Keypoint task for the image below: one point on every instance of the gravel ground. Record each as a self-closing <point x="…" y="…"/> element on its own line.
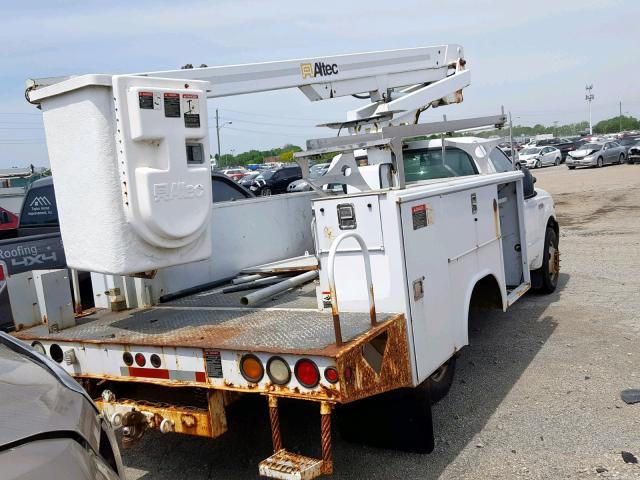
<point x="536" y="394"/>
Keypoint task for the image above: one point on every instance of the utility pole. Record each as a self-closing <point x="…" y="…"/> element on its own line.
<point x="589" y="98"/>
<point x="513" y="150"/>
<point x="218" y="135"/>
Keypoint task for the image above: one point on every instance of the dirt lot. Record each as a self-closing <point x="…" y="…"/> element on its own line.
<point x="536" y="394"/>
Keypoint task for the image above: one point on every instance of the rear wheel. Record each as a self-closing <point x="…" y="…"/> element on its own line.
<point x="621" y="159"/>
<point x="550" y="270"/>
<point x="557" y="162"/>
<point x="440" y="381"/>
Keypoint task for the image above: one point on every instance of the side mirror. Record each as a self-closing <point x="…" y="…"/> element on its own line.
<point x="527" y="184"/>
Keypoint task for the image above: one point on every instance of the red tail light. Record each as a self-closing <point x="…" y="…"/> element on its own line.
<point x="331" y="374"/>
<point x="140" y="360"/>
<point x="307" y="373"/>
<point x="1" y="273"/>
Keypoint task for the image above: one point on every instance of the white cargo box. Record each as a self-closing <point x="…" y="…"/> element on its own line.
<point x="130" y="163"/>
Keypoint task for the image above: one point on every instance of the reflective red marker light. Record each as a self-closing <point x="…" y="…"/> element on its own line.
<point x="307" y="373"/>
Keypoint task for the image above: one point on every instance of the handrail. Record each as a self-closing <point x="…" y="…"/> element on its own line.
<point x="332" y="282"/>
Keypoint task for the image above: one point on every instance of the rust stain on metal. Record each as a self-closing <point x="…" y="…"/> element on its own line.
<point x="364" y="381"/>
<point x="195" y="421"/>
<point x="496" y="217"/>
<point x="325" y="438"/>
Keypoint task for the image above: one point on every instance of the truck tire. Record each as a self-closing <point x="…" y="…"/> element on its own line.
<point x="549" y="272"/>
<point x="439" y="383"/>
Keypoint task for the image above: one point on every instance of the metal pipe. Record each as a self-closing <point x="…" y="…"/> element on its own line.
<point x="268" y="292"/>
<point x="332" y="281"/>
<point x="245" y="279"/>
<point x="75" y="284"/>
<point x="191" y="290"/>
<point x="261" y="282"/>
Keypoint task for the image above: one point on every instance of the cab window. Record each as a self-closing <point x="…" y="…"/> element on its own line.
<point x="428" y="164"/>
<point x="500" y="161"/>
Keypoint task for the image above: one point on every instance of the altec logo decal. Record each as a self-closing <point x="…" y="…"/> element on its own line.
<point x="176" y="191"/>
<point x="40" y="202"/>
<point x="318" y="69"/>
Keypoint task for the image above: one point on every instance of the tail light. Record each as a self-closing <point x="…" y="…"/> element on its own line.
<point x="278" y="371"/>
<point x="331" y="374"/>
<point x="251" y="368"/>
<point x="155" y="361"/>
<point x="307" y="373"/>
<point x="127" y="358"/>
<point x="140" y="360"/>
<point x="1" y="273"/>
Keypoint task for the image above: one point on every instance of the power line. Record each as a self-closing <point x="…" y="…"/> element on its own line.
<point x="253" y="114"/>
<point x="269" y="123"/>
<point x="259" y="132"/>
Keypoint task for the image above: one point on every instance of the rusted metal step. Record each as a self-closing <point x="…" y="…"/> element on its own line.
<point x="287" y="466"/>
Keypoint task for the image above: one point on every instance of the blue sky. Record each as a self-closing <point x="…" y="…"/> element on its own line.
<point x="532" y="57"/>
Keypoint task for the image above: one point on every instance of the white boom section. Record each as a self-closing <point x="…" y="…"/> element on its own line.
<point x="397" y="82"/>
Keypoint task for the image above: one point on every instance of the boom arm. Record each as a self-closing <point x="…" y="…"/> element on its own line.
<point x="399" y="83"/>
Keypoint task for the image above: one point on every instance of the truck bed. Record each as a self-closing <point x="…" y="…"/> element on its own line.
<point x="288" y="323"/>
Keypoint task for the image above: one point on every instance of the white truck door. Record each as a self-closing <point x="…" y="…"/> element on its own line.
<point x="427" y="269"/>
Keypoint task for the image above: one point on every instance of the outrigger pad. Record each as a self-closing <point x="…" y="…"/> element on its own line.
<point x="397" y="420"/>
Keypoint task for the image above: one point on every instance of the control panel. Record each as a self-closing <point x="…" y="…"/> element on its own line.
<point x="163" y="157"/>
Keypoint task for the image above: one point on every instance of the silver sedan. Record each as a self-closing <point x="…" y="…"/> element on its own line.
<point x="596" y="155"/>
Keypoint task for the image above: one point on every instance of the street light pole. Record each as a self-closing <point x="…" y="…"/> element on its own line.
<point x="589" y="98"/>
<point x="620" y="103"/>
<point x="218" y="127"/>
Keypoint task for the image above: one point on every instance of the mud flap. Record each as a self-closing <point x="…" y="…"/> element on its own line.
<point x="397" y="420"/>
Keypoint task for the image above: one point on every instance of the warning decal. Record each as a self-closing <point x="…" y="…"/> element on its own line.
<point x="419" y="216"/>
<point x="172" y="105"/>
<point x="191" y="109"/>
<point x="214" y="363"/>
<point x="145" y="100"/>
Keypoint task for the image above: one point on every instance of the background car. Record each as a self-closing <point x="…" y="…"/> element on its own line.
<point x="627" y="143"/>
<point x="536" y="157"/>
<point x="248" y="179"/>
<point x="596" y="155"/>
<point x="50" y="426"/>
<point x="315" y="171"/>
<point x="633" y="155"/>
<point x="235" y="173"/>
<point x="275" y="181"/>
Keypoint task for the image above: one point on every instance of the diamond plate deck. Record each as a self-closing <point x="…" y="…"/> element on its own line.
<point x="203" y="321"/>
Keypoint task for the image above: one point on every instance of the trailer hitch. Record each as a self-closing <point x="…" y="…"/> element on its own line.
<point x="134" y="424"/>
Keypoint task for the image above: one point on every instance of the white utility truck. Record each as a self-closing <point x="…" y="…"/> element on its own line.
<point x="379" y="308"/>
